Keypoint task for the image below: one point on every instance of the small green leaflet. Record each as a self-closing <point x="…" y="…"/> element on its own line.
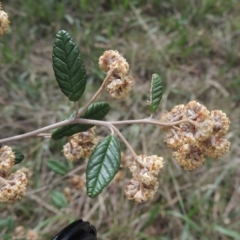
<point x="58" y="199"/>
<point x="57" y="166"/>
<point x="18" y="156"/>
<point x="68" y="66"/>
<point x="7" y="223"/>
<point x="96" y="111"/>
<point x="103" y="165"/>
<point x="155" y="92"/>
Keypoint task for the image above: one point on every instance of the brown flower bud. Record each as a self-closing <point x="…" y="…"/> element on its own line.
<point x="19" y="232"/>
<point x="80" y="145"/>
<point x="216" y="147"/>
<point x="78" y="182"/>
<point x="119" y="84"/>
<point x="113" y="60"/>
<point x="221" y="123"/>
<point x="119" y="89"/>
<point x="139" y="192"/>
<point x="32" y="235"/>
<point x="190" y="157"/>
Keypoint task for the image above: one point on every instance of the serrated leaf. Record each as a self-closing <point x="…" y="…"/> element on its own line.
<point x="68" y="66"/>
<point x="103" y="165"/>
<point x="58" y="199"/>
<point x="96" y="111"/>
<point x="18" y="156"/>
<point x="57" y="166"/>
<point x="155" y="92"/>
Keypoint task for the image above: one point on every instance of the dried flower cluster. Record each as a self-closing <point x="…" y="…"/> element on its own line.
<point x="119" y="82"/>
<point x="76" y="188"/>
<point x="12" y="186"/>
<point x="21" y="233"/>
<point x="4" y="22"/>
<point x="80" y="145"/>
<point x="78" y="182"/>
<point x="199" y="134"/>
<point x="7" y="158"/>
<point x="144" y="184"/>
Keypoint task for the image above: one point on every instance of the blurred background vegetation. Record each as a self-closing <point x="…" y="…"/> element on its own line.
<point x="195" y="47"/>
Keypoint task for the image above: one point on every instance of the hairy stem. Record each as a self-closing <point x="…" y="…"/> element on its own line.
<point x="89" y="121"/>
<point x="76" y="109"/>
<point x="125" y="141"/>
<point x="3" y="181"/>
<point x="95" y="95"/>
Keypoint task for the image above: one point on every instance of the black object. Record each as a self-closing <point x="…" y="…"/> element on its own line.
<point x="78" y="230"/>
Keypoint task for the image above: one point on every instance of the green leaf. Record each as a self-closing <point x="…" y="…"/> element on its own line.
<point x="7" y="223"/>
<point x="18" y="155"/>
<point x="68" y="66"/>
<point x="155" y="92"/>
<point x="58" y="199"/>
<point x="96" y="111"/>
<point x="6" y="237"/>
<point x="103" y="165"/>
<point x="227" y="232"/>
<point x="57" y="166"/>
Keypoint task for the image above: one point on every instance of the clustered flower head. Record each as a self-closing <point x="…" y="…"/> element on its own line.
<point x="12" y="186"/>
<point x="197" y="134"/>
<point x="80" y="145"/>
<point x="7" y="159"/>
<point x="144" y="184"/>
<point x="4" y="22"/>
<point x="119" y="83"/>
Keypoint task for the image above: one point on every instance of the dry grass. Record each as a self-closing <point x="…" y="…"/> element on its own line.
<point x="193" y="45"/>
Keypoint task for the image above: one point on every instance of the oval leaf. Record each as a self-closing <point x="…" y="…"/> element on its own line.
<point x="57" y="167"/>
<point x="155" y="92"/>
<point x="96" y="111"/>
<point x="7" y="223"/>
<point x="58" y="199"/>
<point x="102" y="165"/>
<point x="68" y="66"/>
<point x="18" y="156"/>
